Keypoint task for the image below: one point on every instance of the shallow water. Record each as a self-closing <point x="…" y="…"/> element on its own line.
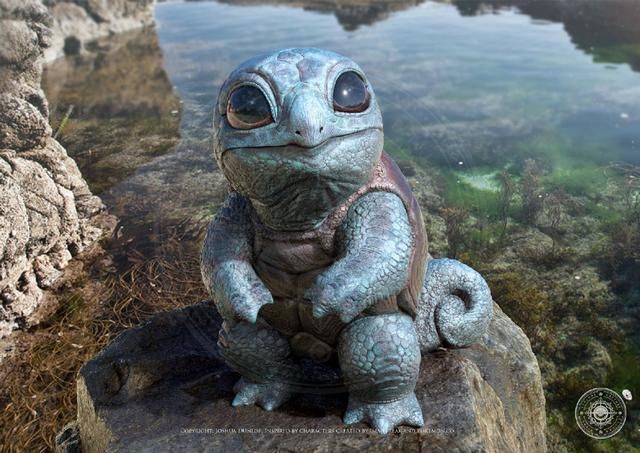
<point x="466" y="88"/>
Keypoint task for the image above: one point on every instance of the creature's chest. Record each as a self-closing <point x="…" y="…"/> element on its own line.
<point x="289" y="263"/>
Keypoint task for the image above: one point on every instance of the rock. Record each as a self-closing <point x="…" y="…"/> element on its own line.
<point x="47" y="212"/>
<point x="78" y="22"/>
<point x="161" y="385"/>
<point x="22" y="126"/>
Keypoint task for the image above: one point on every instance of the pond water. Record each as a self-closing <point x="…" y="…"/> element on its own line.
<point x="469" y="90"/>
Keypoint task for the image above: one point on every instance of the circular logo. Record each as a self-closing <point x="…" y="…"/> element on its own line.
<point x="601" y="413"/>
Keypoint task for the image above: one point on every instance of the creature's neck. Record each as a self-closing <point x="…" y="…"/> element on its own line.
<point x="304" y="215"/>
<point x="308" y="204"/>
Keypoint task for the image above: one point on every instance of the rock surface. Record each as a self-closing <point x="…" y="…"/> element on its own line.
<point x="47" y="212"/>
<point x="161" y="385"/>
<point x="78" y="22"/>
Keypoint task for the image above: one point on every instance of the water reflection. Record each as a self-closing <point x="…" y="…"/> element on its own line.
<point x="351" y="14"/>
<point x="120" y="107"/>
<point x="608" y="30"/>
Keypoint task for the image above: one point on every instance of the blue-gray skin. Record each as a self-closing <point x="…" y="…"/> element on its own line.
<point x="292" y="173"/>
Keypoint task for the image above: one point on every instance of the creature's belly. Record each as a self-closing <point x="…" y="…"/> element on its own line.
<point x="288" y="268"/>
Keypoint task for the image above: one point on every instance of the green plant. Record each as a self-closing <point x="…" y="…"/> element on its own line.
<point x="454" y="219"/>
<point x="505" y="197"/>
<point x="530" y="192"/>
<point x="527" y="305"/>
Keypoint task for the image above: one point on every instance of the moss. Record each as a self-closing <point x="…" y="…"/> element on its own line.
<point x="396" y="150"/>
<point x="605" y="214"/>
<point x="70" y="306"/>
<point x="527" y="306"/>
<point x="400" y="152"/>
<point x="585" y="180"/>
<point x="626" y="370"/>
<point x="571" y="165"/>
<point x="481" y="203"/>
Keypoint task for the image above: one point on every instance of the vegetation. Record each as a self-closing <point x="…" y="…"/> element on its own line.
<point x="505" y="198"/>
<point x="530" y="192"/>
<point x="454" y="219"/>
<point x="38" y="395"/>
<point x="556" y="289"/>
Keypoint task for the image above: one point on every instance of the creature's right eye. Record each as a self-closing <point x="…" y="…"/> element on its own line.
<point x="248" y="108"/>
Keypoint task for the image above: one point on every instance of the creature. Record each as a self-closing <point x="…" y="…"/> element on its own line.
<point x="319" y="251"/>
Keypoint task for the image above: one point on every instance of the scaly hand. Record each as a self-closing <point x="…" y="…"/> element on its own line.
<point x="239" y="293"/>
<point x="340" y="295"/>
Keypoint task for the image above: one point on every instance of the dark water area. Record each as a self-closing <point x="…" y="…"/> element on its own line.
<point x="518" y="121"/>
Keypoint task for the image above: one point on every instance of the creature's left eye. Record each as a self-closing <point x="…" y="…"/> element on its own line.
<point x="248" y="108"/>
<point x="350" y="93"/>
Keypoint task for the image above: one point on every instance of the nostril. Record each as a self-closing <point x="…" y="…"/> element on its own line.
<point x="321" y="128"/>
<point x="298" y="133"/>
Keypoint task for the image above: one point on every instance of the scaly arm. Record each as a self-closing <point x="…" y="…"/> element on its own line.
<point x="226" y="266"/>
<point x="375" y="263"/>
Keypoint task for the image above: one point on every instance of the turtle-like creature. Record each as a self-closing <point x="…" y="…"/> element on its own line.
<point x="319" y="252"/>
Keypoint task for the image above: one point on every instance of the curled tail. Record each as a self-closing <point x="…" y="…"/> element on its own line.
<point x="455" y="306"/>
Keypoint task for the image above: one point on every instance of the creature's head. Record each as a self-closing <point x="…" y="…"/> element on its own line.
<point x="297" y="132"/>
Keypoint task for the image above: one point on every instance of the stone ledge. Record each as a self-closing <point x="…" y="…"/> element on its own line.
<point x="164" y="377"/>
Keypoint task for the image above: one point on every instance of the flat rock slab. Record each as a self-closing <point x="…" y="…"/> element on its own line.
<point x="162" y="386"/>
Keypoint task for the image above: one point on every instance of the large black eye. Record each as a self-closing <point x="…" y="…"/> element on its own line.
<point x="350" y="93"/>
<point x="248" y="108"/>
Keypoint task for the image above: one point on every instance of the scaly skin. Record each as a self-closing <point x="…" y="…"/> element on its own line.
<point x="226" y="264"/>
<point x="445" y="319"/>
<point x="263" y="357"/>
<point x="380" y="360"/>
<point x="289" y="174"/>
<point x="376" y="238"/>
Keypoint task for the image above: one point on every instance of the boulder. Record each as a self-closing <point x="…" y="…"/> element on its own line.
<point x="47" y="212"/>
<point x="162" y="386"/>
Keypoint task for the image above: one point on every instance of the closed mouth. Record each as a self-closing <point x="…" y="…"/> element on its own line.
<point x="302" y="147"/>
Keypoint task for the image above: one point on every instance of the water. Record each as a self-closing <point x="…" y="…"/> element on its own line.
<point x="467" y="90"/>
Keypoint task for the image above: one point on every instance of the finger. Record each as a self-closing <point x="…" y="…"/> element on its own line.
<point x="319" y="312"/>
<point x="347" y="316"/>
<point x="249" y="312"/>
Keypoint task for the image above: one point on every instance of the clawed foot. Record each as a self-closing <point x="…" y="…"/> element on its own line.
<point x="269" y="396"/>
<point x="385" y="416"/>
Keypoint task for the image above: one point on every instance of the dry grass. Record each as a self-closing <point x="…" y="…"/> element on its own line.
<point x="38" y="393"/>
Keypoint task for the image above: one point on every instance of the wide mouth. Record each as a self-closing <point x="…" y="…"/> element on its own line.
<point x="294" y="147"/>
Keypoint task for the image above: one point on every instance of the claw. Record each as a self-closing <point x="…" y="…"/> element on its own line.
<point x="268" y="406"/>
<point x="384" y="417"/>
<point x="319" y="312"/>
<point x="269" y="396"/>
<point x="382" y="425"/>
<point x="240" y="400"/>
<point x="353" y="415"/>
